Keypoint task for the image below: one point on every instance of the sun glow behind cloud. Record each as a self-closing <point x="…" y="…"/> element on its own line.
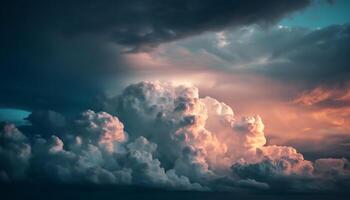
<point x="286" y="108"/>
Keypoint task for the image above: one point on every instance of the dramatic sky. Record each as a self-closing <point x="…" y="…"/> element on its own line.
<point x="247" y="97"/>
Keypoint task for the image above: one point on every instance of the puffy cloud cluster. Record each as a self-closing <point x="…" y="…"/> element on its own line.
<point x="14" y="152"/>
<point x="93" y="150"/>
<point x="207" y="141"/>
<point x="161" y="135"/>
<point x="272" y="161"/>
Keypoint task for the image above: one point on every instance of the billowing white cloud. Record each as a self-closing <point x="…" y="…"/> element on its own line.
<point x="96" y="150"/>
<point x="14" y="152"/>
<point x="175" y="140"/>
<point x="274" y="161"/>
<point x="100" y="129"/>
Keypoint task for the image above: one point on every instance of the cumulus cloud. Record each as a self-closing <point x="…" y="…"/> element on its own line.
<point x="274" y="161"/>
<point x="205" y="135"/>
<point x="96" y="151"/>
<point x="14" y="152"/>
<point x="161" y="135"/>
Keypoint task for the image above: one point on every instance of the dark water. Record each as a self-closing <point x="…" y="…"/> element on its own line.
<point x="64" y="192"/>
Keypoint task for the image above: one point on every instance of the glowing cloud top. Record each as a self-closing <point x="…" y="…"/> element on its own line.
<point x="163" y="135"/>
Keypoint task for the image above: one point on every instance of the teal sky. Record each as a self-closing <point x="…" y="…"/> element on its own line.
<point x="15" y="116"/>
<point x="320" y="14"/>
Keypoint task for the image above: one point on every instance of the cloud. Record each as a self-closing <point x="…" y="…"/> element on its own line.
<point x="264" y="77"/>
<point x="165" y="136"/>
<point x="328" y="104"/>
<point x="251" y="183"/>
<point x="274" y="161"/>
<point x="337" y="96"/>
<point x="96" y="154"/>
<point x="142" y="24"/>
<point x="73" y="48"/>
<point x="15" y="152"/>
<point x="147" y="171"/>
<point x="101" y="127"/>
<point x="334" y="145"/>
<point x="300" y="56"/>
<point x="332" y="166"/>
<point x="45" y="122"/>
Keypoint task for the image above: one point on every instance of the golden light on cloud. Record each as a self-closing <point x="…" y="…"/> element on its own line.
<point x="287" y="112"/>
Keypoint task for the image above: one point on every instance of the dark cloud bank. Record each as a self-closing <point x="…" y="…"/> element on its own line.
<point x="142" y="23"/>
<point x="296" y="55"/>
<point x="57" y="54"/>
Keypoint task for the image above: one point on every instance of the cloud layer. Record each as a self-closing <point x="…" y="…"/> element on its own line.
<point x="164" y="136"/>
<point x="145" y="24"/>
<point x="72" y="48"/>
<point x="298" y="55"/>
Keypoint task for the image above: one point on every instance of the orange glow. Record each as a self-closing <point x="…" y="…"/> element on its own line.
<point x="287" y="111"/>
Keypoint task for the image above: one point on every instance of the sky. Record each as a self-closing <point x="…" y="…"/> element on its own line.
<point x="320" y="15"/>
<point x="224" y="96"/>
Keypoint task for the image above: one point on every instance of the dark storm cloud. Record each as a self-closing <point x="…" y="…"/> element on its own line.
<point x="55" y="53"/>
<point x="290" y="54"/>
<point x="319" y="56"/>
<point x="145" y="23"/>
